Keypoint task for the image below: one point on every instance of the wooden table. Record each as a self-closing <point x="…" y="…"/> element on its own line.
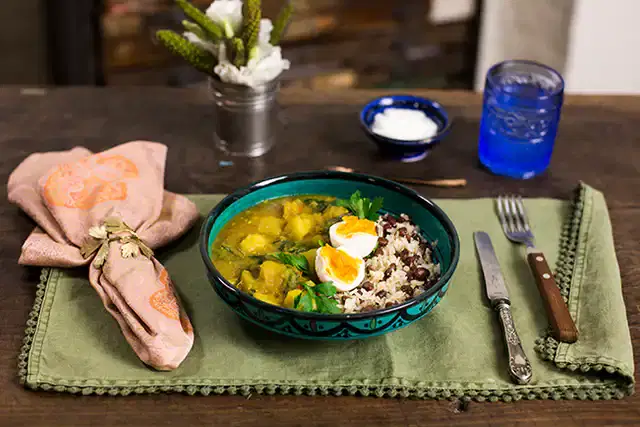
<point x="598" y="142"/>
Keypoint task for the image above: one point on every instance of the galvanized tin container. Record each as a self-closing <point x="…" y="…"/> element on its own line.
<point x="246" y="119"/>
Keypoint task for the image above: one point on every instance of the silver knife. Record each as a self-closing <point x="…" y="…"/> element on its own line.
<point x="519" y="366"/>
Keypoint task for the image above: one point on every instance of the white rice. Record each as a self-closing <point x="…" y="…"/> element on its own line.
<point x="396" y="287"/>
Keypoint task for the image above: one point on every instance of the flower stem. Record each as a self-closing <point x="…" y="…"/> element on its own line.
<point x="213" y="31"/>
<point x="199" y="58"/>
<point x="250" y="33"/>
<point x="280" y="25"/>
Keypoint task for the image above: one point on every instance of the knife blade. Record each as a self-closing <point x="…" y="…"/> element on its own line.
<point x="495" y="286"/>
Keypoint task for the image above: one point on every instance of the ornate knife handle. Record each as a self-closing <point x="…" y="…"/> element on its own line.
<point x="519" y="366"/>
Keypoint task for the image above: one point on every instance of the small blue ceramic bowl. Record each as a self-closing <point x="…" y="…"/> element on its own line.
<point x="405" y="151"/>
<point x="434" y="225"/>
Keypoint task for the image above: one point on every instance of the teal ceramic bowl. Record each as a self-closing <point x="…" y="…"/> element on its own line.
<point x="433" y="222"/>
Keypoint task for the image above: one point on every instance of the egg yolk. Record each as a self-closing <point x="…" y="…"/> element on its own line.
<point x="352" y="225"/>
<point x="339" y="264"/>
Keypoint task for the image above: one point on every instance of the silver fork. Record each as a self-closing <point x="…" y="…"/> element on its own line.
<point x="515" y="224"/>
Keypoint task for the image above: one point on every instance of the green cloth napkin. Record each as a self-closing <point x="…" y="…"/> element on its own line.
<point x="457" y="351"/>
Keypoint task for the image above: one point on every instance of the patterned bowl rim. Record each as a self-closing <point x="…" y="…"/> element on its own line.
<point x="423" y="201"/>
<point x="420" y="143"/>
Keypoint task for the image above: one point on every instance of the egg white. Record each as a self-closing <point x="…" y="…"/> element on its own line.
<point x="358" y="244"/>
<point x="322" y="266"/>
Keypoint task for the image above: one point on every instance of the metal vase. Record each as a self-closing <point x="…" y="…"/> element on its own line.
<point x="245" y="118"/>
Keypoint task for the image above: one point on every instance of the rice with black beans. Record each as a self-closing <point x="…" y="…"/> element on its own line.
<point x="399" y="269"/>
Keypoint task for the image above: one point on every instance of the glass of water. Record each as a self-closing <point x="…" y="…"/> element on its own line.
<point x="520" y="115"/>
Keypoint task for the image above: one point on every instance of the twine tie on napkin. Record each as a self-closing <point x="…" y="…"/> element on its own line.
<point x="109" y="210"/>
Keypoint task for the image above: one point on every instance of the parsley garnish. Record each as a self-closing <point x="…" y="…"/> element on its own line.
<point x="297" y="261"/>
<point x="316" y="298"/>
<point x="362" y="207"/>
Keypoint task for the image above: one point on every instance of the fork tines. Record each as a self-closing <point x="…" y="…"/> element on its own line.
<point x="512" y="214"/>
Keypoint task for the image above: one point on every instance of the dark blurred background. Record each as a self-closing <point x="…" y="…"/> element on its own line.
<point x="334" y="44"/>
<point x="330" y="43"/>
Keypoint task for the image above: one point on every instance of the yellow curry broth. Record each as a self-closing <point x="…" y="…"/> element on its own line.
<point x="293" y="225"/>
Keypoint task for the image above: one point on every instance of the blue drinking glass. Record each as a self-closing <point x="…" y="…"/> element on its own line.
<point x="520" y="115"/>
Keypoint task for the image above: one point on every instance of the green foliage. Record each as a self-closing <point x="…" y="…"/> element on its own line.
<point x="297" y="261"/>
<point x="238" y="55"/>
<point x="281" y="22"/>
<point x="241" y="48"/>
<point x="195" y="29"/>
<point x="211" y="29"/>
<point x="199" y="58"/>
<point x="362" y="207"/>
<point x="319" y="294"/>
<point x="251" y="16"/>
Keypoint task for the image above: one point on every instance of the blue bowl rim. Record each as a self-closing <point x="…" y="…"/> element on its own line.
<point x="238" y="194"/>
<point x="407" y="143"/>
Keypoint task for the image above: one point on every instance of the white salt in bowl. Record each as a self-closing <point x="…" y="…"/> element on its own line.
<point x="405" y="127"/>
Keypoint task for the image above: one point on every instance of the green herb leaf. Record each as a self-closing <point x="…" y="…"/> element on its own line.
<point x="362" y="207"/>
<point x="327" y="305"/>
<point x="298" y="261"/>
<point x="326" y="288"/>
<point x="321" y="242"/>
<point x="374" y="207"/>
<point x="306" y="302"/>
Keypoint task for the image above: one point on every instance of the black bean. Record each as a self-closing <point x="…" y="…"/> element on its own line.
<point x="389" y="270"/>
<point x="368" y="308"/>
<point x="386" y="226"/>
<point x="378" y="252"/>
<point x="391" y="221"/>
<point x="407" y="289"/>
<point x="421" y="273"/>
<point x="382" y="241"/>
<point x="403" y="254"/>
<point x="389" y="304"/>
<point x="381" y="294"/>
<point x="402" y="231"/>
<point x="367" y="286"/>
<point x="409" y="260"/>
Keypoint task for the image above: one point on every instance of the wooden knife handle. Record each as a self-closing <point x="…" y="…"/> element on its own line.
<point x="562" y="325"/>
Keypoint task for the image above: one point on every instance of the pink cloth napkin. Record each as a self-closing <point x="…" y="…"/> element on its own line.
<point x="70" y="194"/>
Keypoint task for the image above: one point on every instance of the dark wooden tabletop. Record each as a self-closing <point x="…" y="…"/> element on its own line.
<point x="598" y="142"/>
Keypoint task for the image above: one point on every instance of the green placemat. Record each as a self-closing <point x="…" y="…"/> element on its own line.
<point x="73" y="345"/>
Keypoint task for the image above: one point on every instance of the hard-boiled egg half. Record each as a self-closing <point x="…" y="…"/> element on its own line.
<point x="340" y="267"/>
<point x="357" y="235"/>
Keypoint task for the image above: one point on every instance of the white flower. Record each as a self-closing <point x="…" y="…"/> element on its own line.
<point x="264" y="67"/>
<point x="266" y="26"/>
<point x="227" y="14"/>
<point x="98" y="232"/>
<point x="129" y="249"/>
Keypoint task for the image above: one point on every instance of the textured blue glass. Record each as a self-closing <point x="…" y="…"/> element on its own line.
<point x="520" y="115"/>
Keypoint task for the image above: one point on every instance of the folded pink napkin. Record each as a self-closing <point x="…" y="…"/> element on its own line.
<point x="110" y="210"/>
